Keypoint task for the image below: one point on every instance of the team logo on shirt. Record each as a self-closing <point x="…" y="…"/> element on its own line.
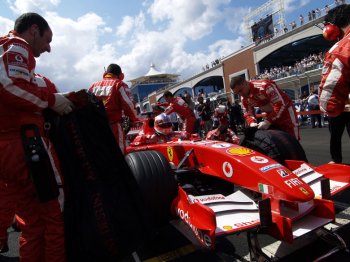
<point x="19" y="72"/>
<point x="19" y="58"/>
<point x="16" y="59"/>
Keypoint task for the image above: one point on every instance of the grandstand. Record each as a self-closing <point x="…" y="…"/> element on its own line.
<point x="293" y="58"/>
<point x="153" y="81"/>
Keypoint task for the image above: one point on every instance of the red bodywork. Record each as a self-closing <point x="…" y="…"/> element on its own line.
<point x="294" y="190"/>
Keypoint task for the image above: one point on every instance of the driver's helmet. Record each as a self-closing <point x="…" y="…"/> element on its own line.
<point x="221" y="109"/>
<point x="162" y="124"/>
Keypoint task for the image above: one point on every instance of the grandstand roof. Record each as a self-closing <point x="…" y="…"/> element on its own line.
<point x="153" y="71"/>
<point x="295" y="51"/>
<point x="154" y="75"/>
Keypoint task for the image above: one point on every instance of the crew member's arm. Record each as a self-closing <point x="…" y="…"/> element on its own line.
<point x="335" y="84"/>
<point x="212" y="135"/>
<point x="127" y="104"/>
<point x="249" y="113"/>
<point x="16" y="87"/>
<point x="170" y="109"/>
<point x="43" y="81"/>
<point x="234" y="138"/>
<point x="277" y="102"/>
<point x="162" y="104"/>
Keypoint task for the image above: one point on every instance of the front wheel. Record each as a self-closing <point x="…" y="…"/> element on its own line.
<point x="156" y="183"/>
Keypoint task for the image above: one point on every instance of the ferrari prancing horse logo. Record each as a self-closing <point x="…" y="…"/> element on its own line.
<point x="170" y="153"/>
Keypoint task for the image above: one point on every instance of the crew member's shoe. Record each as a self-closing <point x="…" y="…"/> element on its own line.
<point x="3" y="246"/>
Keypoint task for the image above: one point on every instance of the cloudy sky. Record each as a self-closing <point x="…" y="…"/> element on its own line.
<point x="178" y="36"/>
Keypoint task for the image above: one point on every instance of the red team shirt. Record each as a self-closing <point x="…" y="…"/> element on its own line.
<point x="21" y="99"/>
<point x="180" y="107"/>
<point x="279" y="109"/>
<point x="335" y="82"/>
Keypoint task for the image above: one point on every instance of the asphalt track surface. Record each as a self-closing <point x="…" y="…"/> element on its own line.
<point x="171" y="245"/>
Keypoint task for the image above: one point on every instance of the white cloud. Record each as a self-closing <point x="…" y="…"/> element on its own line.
<point x="131" y="24"/>
<point x="76" y="58"/>
<point x="225" y="47"/>
<point x="5" y="25"/>
<point x="194" y="18"/>
<point x="126" y="26"/>
<point x="151" y="47"/>
<point x="234" y="19"/>
<point x="82" y="47"/>
<point x="293" y="5"/>
<point x="39" y="6"/>
<point x="175" y="24"/>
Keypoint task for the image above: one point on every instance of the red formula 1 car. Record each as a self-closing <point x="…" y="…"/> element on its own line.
<point x="218" y="188"/>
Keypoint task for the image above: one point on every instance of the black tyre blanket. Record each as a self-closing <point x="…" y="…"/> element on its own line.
<point x="274" y="143"/>
<point x="103" y="216"/>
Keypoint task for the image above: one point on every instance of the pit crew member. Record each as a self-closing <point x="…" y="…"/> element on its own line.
<point x="5" y="223"/>
<point x="22" y="102"/>
<point x="265" y="94"/>
<point x="116" y="97"/>
<point x="334" y="90"/>
<point x="222" y="133"/>
<point x="180" y="107"/>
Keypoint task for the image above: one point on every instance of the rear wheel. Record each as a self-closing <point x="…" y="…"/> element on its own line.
<point x="275" y="144"/>
<point x="156" y="182"/>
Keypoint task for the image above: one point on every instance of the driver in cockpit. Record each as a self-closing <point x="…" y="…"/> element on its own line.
<point x="161" y="132"/>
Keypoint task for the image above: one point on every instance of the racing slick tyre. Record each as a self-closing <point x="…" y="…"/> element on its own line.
<point x="156" y="182"/>
<point x="275" y="144"/>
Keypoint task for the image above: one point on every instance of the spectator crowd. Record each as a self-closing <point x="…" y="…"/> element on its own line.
<point x="313" y="61"/>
